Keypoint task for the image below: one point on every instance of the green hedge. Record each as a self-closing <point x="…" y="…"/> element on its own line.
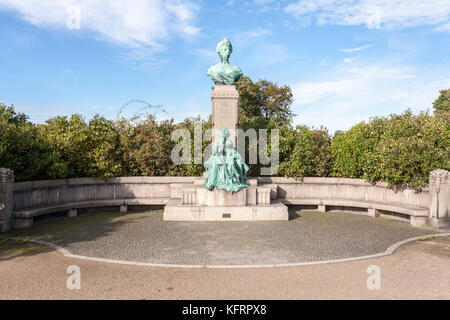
<point x="399" y="149"/>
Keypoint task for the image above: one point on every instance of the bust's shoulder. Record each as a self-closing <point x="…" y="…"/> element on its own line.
<point x="214" y="68"/>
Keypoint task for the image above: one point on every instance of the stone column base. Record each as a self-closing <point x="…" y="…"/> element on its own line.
<point x="322" y="208"/>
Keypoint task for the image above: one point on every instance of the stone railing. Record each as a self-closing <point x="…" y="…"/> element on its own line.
<point x="53" y="192"/>
<point x="26" y="200"/>
<point x="346" y="189"/>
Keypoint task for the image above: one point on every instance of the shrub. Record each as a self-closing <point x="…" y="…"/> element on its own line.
<point x="88" y="149"/>
<point x="400" y="149"/>
<point x="23" y="151"/>
<point x="309" y="152"/>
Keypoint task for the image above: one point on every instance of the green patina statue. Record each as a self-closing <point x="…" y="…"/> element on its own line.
<point x="224" y="72"/>
<point x="226" y="170"/>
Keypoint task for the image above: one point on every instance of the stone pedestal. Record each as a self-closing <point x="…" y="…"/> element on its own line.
<point x="195" y="203"/>
<point x="6" y="199"/>
<point x="440" y="198"/>
<point x="225" y="100"/>
<point x="173" y="211"/>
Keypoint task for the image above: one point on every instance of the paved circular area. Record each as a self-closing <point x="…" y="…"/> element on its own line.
<point x="307" y="237"/>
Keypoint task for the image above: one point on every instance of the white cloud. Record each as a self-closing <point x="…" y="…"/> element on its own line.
<point x="375" y="14"/>
<point x="346" y="95"/>
<point x="132" y="23"/>
<point x="349" y="50"/>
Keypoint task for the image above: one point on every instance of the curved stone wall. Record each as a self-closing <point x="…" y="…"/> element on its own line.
<point x="53" y="192"/>
<point x="347" y="189"/>
<point x="434" y="201"/>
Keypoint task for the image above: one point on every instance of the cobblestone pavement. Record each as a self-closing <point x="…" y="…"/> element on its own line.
<point x="417" y="270"/>
<point x="307" y="237"/>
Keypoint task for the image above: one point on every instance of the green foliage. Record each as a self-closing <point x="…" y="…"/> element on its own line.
<point x="193" y="169"/>
<point x="352" y="150"/>
<point x="263" y="103"/>
<point x="305" y="152"/>
<point x="146" y="146"/>
<point x="442" y="103"/>
<point x="87" y="149"/>
<point x="400" y="149"/>
<point x="22" y="150"/>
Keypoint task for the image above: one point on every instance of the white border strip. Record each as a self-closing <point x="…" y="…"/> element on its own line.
<point x="390" y="250"/>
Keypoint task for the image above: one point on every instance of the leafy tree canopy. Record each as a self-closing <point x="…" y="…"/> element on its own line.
<point x="442" y="103"/>
<point x="264" y="103"/>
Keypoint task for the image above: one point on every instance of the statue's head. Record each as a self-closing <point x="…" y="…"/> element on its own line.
<point x="224" y="49"/>
<point x="224" y="133"/>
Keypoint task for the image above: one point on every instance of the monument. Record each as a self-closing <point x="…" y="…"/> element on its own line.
<point x="224" y="96"/>
<point x="224" y="193"/>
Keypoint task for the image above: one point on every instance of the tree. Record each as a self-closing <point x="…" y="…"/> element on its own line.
<point x="22" y="150"/>
<point x="401" y="150"/>
<point x="442" y="103"/>
<point x="264" y="103"/>
<point x="89" y="149"/>
<point x="146" y="146"/>
<point x="305" y="152"/>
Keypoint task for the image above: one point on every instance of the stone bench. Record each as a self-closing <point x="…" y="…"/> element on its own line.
<point x="418" y="216"/>
<point x="24" y="217"/>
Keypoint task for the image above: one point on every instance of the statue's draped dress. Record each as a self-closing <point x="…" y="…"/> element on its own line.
<point x="226" y="170"/>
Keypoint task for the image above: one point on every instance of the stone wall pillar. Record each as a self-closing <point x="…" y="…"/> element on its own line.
<point x="6" y="199"/>
<point x="225" y="100"/>
<point x="440" y="198"/>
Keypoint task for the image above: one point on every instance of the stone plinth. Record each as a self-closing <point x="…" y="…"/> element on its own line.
<point x="225" y="111"/>
<point x="196" y="203"/>
<point x="440" y="198"/>
<point x="175" y="211"/>
<point x="220" y="198"/>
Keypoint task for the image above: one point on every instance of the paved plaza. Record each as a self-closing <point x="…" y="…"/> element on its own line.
<point x="145" y="237"/>
<point x="417" y="270"/>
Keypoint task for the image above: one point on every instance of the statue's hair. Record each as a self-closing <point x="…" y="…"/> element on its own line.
<point x="224" y="42"/>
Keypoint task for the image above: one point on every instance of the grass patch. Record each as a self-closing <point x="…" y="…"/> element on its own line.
<point x="428" y="238"/>
<point x="13" y="248"/>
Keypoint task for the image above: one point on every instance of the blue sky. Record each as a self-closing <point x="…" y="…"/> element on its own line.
<point x="345" y="61"/>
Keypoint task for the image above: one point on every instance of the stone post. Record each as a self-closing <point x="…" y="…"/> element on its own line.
<point x="225" y="100"/>
<point x="6" y="199"/>
<point x="440" y="198"/>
